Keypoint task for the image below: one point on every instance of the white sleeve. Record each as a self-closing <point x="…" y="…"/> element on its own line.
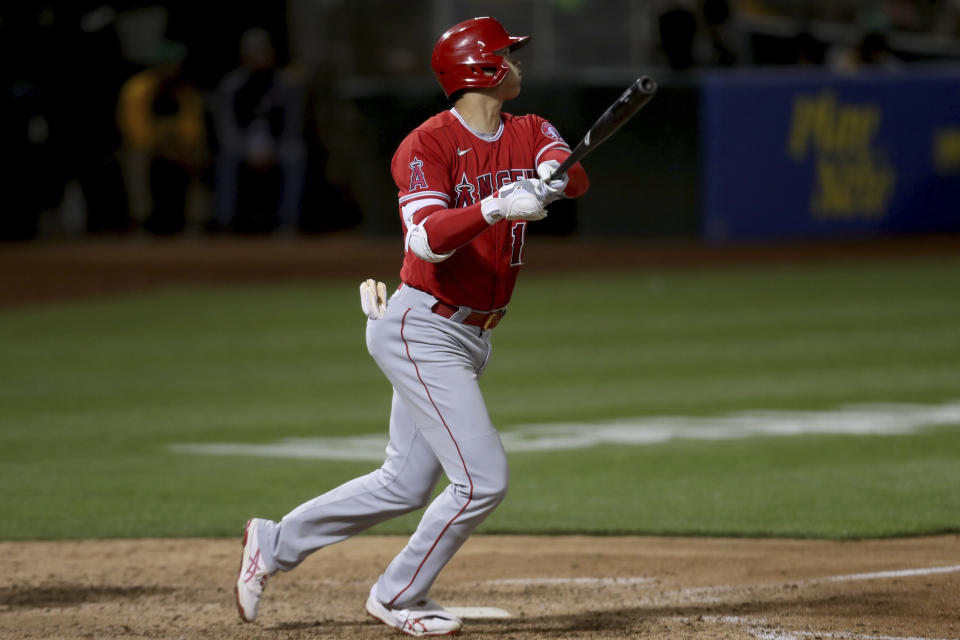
<point x="417" y="241"/>
<point x="410" y="204"/>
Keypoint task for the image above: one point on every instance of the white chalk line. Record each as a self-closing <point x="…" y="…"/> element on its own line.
<point x="718" y="589"/>
<point x="762" y="630"/>
<point x="902" y="573"/>
<point x="858" y="420"/>
<point x="479" y="612"/>
<point x="590" y="582"/>
<point x="715" y="593"/>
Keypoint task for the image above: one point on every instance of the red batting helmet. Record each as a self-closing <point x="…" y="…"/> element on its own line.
<point x="464" y="54"/>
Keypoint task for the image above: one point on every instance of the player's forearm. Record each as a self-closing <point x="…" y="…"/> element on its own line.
<point x="450" y="229"/>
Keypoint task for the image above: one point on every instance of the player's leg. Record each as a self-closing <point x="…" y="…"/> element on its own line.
<point x="437" y="378"/>
<point x="404" y="483"/>
<point x="478" y="483"/>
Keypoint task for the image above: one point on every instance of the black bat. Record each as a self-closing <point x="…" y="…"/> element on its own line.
<point x="626" y="106"/>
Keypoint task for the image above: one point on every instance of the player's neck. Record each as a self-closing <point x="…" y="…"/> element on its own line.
<point x="481" y="112"/>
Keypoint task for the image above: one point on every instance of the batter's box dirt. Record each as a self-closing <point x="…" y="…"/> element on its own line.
<point x="553" y="587"/>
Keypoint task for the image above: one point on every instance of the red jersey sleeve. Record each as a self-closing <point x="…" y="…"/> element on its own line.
<point x="422" y="176"/>
<point x="550" y="145"/>
<point x="546" y="138"/>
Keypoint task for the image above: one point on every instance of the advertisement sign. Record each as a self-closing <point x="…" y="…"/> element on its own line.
<point x="796" y="154"/>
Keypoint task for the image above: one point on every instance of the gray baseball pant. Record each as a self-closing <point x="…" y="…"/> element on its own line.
<point x="438" y="422"/>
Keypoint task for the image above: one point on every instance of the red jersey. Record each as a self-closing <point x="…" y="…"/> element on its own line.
<point x="443" y="167"/>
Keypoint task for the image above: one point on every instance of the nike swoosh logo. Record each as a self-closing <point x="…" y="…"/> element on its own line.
<point x="463" y="151"/>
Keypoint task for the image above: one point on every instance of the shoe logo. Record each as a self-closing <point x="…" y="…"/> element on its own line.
<point x="461" y="152"/>
<point x="253" y="568"/>
<point x="417" y="627"/>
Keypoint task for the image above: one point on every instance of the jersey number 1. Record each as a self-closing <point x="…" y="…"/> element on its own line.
<point x="518" y="232"/>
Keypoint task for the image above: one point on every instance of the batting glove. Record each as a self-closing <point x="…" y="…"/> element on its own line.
<point x="551" y="190"/>
<point x="373" y="298"/>
<point x="520" y="200"/>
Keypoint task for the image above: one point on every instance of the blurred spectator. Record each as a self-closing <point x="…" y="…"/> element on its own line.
<point x="161" y="116"/>
<point x="723" y="39"/>
<point x="93" y="71"/>
<point x="262" y="163"/>
<point x="807" y="50"/>
<point x="871" y="51"/>
<point x="678" y="31"/>
<point x="699" y="32"/>
<point x="60" y="79"/>
<point x="27" y="150"/>
<point x="874" y="50"/>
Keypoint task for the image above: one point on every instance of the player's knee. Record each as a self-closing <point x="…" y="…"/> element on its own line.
<point x="492" y="500"/>
<point x="492" y="479"/>
<point x="406" y="493"/>
<point x="501" y="491"/>
<point x="411" y="497"/>
<point x="491" y="491"/>
<point x="421" y="499"/>
<point x="410" y="501"/>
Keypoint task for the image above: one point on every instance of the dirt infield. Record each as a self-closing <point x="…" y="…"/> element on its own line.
<point x="558" y="587"/>
<point x="563" y="587"/>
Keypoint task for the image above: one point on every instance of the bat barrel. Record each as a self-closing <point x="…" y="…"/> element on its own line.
<point x="647" y="85"/>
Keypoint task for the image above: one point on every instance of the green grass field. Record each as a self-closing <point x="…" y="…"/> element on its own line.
<point x="94" y="394"/>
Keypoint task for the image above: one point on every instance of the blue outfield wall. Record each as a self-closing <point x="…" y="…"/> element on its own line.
<point x="789" y="154"/>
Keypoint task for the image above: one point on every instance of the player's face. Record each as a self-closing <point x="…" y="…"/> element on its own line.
<point x="510" y="87"/>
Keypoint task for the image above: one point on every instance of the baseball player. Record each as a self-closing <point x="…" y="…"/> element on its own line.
<point x="470" y="180"/>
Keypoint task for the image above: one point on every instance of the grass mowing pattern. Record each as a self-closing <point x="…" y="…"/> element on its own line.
<point x="92" y="394"/>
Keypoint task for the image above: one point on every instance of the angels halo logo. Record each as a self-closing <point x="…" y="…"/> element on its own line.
<point x="550" y="131"/>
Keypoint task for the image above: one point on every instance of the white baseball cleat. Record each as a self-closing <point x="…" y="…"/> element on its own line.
<point x="253" y="575"/>
<point x="425" y="618"/>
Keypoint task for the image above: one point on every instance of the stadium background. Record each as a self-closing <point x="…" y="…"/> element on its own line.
<point x="763" y="105"/>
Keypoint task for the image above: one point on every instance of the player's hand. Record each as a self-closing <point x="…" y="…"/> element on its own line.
<point x="518" y="200"/>
<point x="373" y="298"/>
<point x="551" y="190"/>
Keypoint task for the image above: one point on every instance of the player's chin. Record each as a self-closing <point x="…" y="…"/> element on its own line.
<point x="511" y="91"/>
